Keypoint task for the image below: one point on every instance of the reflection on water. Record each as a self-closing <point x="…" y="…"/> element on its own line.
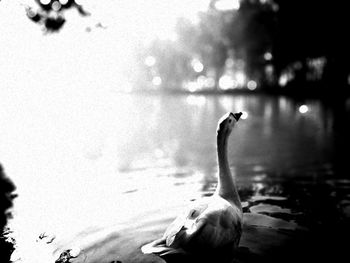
<point x="87" y="169"/>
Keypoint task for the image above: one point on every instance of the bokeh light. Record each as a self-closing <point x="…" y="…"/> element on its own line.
<point x="157" y="81"/>
<point x="56" y="6"/>
<point x="252" y="85"/>
<point x="227" y="82"/>
<point x="197" y="65"/>
<point x="193" y="86"/>
<point x="244" y="115"/>
<point x="303" y="109"/>
<point x="63" y="2"/>
<point x="224" y="5"/>
<point x="45" y="2"/>
<point x="150" y="61"/>
<point x="267" y="56"/>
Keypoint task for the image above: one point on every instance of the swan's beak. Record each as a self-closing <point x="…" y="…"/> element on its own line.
<point x="237" y="115"/>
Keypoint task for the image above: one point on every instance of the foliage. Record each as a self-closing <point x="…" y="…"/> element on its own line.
<point x="275" y="43"/>
<point x="50" y="13"/>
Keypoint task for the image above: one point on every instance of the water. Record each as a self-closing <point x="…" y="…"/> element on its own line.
<point x="105" y="173"/>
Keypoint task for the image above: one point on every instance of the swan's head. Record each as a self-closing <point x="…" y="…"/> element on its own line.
<point x="227" y="122"/>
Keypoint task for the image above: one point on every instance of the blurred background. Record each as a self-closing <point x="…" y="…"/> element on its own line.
<point x="109" y="111"/>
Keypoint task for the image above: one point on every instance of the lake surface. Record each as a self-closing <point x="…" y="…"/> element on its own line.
<point x="106" y="173"/>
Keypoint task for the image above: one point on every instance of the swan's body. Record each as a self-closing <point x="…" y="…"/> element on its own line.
<point x="212" y="223"/>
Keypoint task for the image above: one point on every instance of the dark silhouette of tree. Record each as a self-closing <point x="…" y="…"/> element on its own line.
<point x="249" y="33"/>
<point x="6" y="197"/>
<point x="51" y="14"/>
<point x="311" y="29"/>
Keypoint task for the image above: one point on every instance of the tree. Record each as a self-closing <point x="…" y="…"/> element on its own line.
<point x="249" y="34"/>
<point x="311" y="29"/>
<point x="50" y="13"/>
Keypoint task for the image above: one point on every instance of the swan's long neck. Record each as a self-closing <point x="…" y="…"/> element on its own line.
<point x="226" y="184"/>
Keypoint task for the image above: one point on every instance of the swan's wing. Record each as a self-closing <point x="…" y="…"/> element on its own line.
<point x="183" y="222"/>
<point x="222" y="225"/>
<point x="175" y="232"/>
<point x="212" y="224"/>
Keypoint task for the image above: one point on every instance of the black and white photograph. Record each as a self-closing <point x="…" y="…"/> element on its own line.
<point x="170" y="131"/>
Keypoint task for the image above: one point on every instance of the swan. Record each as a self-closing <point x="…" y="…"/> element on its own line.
<point x="212" y="224"/>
